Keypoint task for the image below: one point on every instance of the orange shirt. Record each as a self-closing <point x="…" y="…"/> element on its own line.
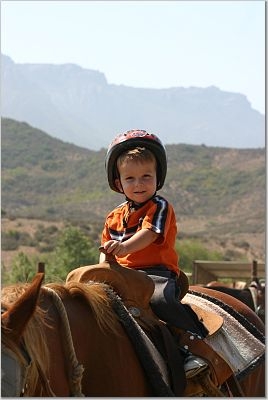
<point x="157" y="215"/>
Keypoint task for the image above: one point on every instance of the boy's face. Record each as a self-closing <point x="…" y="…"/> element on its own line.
<point x="137" y="180"/>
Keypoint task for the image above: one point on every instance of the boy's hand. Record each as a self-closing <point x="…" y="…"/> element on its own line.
<point x="114" y="247"/>
<point x="139" y="241"/>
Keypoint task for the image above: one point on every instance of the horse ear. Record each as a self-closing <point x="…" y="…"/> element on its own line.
<point x="15" y="319"/>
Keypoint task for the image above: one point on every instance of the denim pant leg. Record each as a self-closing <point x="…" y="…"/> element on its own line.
<point x="166" y="305"/>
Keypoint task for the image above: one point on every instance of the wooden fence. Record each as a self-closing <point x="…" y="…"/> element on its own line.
<point x="207" y="271"/>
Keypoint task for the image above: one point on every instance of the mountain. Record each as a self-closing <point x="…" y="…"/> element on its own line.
<point x="78" y="106"/>
<point x="218" y="193"/>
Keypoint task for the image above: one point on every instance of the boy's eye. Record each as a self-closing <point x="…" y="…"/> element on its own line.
<point x="132" y="178"/>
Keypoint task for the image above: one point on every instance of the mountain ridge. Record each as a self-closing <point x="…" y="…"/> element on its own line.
<point x="79" y="106"/>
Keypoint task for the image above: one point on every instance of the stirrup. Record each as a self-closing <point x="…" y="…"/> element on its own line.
<point x="194" y="365"/>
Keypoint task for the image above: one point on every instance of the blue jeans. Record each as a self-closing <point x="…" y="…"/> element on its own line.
<point x="166" y="305"/>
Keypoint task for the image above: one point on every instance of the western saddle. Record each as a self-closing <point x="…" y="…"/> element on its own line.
<point x="135" y="288"/>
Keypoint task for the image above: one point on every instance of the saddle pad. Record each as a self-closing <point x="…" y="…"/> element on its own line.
<point x="233" y="342"/>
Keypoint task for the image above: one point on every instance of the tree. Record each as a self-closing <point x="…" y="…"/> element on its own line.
<point x="23" y="269"/>
<point x="73" y="249"/>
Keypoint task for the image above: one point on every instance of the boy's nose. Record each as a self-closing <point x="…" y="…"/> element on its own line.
<point x="139" y="181"/>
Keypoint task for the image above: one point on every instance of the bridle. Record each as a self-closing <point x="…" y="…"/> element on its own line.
<point x="18" y="372"/>
<point x="14" y="371"/>
<point x="15" y="367"/>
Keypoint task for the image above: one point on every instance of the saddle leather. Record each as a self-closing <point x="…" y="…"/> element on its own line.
<point x="220" y="369"/>
<point x="183" y="283"/>
<point x="213" y="322"/>
<point x="134" y="287"/>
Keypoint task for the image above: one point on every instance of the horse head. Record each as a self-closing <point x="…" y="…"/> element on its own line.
<point x="15" y="358"/>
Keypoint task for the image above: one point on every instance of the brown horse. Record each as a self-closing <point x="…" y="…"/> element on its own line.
<point x="253" y="295"/>
<point x="65" y="340"/>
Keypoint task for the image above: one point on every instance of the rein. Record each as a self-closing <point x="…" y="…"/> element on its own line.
<point x="76" y="369"/>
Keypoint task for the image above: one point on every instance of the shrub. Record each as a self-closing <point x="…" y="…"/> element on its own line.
<point x="190" y="250"/>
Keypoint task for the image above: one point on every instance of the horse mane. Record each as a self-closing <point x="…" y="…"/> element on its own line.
<point x="11" y="293"/>
<point x="94" y="294"/>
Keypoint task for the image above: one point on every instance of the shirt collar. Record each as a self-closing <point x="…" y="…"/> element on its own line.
<point x="137" y="206"/>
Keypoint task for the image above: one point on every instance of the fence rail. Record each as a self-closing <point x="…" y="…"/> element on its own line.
<point x="207" y="271"/>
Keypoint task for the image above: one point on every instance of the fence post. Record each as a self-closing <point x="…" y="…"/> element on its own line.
<point x="254" y="271"/>
<point x="41" y="267"/>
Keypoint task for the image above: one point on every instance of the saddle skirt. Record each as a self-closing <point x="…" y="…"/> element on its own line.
<point x="232" y="340"/>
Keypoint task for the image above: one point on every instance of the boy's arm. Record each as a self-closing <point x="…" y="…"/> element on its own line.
<point x="139" y="241"/>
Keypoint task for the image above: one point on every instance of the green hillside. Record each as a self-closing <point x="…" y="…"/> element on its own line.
<point x="43" y="177"/>
<point x="218" y="193"/>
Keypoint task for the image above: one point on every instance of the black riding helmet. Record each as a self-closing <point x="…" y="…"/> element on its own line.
<point x="129" y="140"/>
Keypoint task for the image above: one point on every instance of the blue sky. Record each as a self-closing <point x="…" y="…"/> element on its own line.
<point x="152" y="44"/>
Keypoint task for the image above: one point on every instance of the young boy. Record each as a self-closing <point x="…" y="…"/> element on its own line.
<point x="141" y="232"/>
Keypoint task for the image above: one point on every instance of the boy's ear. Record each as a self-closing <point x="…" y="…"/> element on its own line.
<point x="118" y="185"/>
